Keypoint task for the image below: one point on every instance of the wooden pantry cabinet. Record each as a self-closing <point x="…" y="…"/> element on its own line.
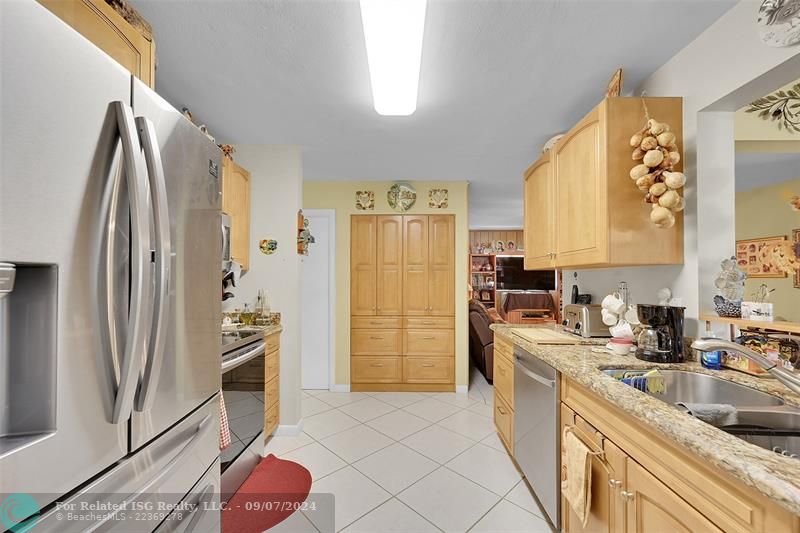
<point x="236" y="204"/>
<point x="402" y="302"/>
<point x="110" y="32"/>
<point x="581" y="207"/>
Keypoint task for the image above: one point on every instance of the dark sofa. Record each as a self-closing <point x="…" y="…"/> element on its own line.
<point x="481" y="337"/>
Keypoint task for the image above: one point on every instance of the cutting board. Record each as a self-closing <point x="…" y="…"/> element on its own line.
<point x="546" y="336"/>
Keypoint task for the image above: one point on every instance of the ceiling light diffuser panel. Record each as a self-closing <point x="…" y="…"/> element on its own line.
<point x="393" y="31"/>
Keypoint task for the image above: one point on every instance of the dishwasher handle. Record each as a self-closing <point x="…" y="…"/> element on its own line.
<point x="533" y="375"/>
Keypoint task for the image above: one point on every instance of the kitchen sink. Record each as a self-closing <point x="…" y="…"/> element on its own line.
<point x="691" y="387"/>
<point x="776" y="429"/>
<point x="763" y="419"/>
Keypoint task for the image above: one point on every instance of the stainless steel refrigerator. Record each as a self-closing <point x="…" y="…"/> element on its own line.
<point x="110" y="332"/>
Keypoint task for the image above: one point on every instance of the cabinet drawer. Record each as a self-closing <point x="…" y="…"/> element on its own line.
<point x="428" y="370"/>
<point x="429" y="322"/>
<point x="271" y="392"/>
<point x="375" y="342"/>
<point x="366" y="369"/>
<point x="439" y="342"/>
<point x="503" y="347"/>
<point x="271" y="366"/>
<point x="504" y="422"/>
<point x="366" y="322"/>
<point x="271" y="417"/>
<point x="272" y="342"/>
<point x="504" y="379"/>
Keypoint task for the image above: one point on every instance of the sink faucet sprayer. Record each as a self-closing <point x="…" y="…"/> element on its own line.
<point x="784" y="376"/>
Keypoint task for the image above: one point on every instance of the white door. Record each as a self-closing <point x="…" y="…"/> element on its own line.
<point x="317" y="293"/>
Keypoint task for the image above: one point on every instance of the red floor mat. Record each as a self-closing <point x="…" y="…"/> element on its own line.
<point x="268" y="496"/>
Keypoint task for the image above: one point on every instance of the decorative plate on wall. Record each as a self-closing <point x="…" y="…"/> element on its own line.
<point x="401" y="197"/>
<point x="779" y="22"/>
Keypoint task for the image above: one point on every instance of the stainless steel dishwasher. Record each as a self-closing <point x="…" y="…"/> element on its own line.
<point x="536" y="422"/>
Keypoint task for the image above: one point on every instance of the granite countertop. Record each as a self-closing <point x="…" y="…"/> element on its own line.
<point x="270" y="330"/>
<point x="775" y="476"/>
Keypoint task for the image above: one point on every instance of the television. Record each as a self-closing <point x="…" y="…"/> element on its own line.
<point x="512" y="276"/>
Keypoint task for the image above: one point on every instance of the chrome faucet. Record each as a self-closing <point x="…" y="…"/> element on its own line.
<point x="786" y="377"/>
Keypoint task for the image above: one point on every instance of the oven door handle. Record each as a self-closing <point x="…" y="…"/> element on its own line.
<point x="533" y="375"/>
<point x="245" y="357"/>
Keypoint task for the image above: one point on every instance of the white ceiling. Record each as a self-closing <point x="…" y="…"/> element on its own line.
<point x="759" y="169"/>
<point x="498" y="79"/>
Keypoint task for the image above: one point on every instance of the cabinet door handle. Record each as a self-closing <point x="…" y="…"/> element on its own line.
<point x="627" y="496"/>
<point x="428" y="338"/>
<point x="614" y="483"/>
<point x="374" y="338"/>
<point x="377" y="364"/>
<point x="379" y="308"/>
<point x="376" y="323"/>
<point x="502" y="411"/>
<point x="427" y="365"/>
<point x="428" y="323"/>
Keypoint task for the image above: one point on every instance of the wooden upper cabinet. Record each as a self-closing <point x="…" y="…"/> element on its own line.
<point x="580" y="217"/>
<point x="106" y="29"/>
<point x="363" y="263"/>
<point x="441" y="265"/>
<point x="389" y="291"/>
<point x="415" y="265"/>
<point x="539" y="213"/>
<point x="652" y="506"/>
<point x="599" y="217"/>
<point x="236" y="204"/>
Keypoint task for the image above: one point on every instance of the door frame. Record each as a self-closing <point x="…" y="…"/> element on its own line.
<point x="330" y="215"/>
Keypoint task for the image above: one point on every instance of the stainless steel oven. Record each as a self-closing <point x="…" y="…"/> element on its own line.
<point x="243" y="391"/>
<point x="536" y="422"/>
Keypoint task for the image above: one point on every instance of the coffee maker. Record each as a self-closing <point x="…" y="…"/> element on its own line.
<point x="661" y="338"/>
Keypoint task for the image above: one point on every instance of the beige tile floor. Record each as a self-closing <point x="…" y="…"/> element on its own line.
<point x="409" y="462"/>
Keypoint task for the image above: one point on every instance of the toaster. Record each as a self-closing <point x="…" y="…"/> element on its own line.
<point x="584" y="320"/>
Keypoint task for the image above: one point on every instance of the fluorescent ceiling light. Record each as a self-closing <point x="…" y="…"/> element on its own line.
<point x="393" y="33"/>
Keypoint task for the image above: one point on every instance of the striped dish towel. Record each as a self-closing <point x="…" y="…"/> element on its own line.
<point x="224" y="430"/>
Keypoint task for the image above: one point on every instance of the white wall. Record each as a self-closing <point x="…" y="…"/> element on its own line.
<point x="276" y="194"/>
<point x="725" y="68"/>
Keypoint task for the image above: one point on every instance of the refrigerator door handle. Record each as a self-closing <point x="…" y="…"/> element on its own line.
<point x="202" y="428"/>
<point x="140" y="282"/>
<point x="163" y="259"/>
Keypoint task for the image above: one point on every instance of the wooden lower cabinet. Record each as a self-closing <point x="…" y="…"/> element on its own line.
<point x="641" y="483"/>
<point x="504" y="392"/>
<point x="271" y="384"/>
<point x="428" y="369"/>
<point x="366" y="369"/>
<point x="402" y="353"/>
<point x="652" y="506"/>
<point x="504" y="421"/>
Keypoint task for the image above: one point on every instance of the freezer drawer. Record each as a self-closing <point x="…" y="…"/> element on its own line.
<point x="199" y="511"/>
<point x="128" y="498"/>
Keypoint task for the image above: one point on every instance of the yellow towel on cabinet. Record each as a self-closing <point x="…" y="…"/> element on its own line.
<point x="576" y="475"/>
